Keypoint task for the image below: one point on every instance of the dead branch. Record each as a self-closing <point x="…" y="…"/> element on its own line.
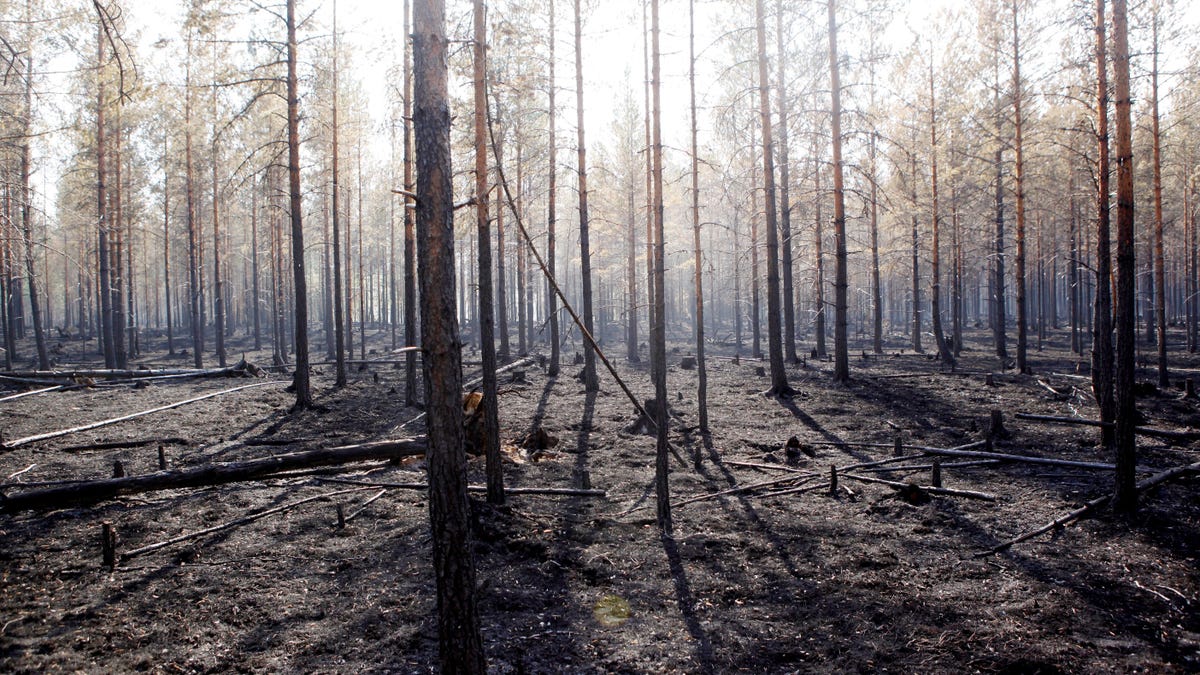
<point x="363" y="507"/>
<point x="1027" y="459"/>
<point x="35" y="392"/>
<point x="240" y="369"/>
<point x="744" y="488"/>
<point x="926" y="467"/>
<point x="760" y="465"/>
<point x="10" y="445"/>
<point x="233" y="523"/>
<point x="1182" y="436"/>
<point x="1064" y="520"/>
<point x="566" y="492"/>
<point x="945" y="492"/>
<point x="91" y="492"/>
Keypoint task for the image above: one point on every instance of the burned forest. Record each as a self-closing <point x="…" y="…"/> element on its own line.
<point x="564" y="336"/>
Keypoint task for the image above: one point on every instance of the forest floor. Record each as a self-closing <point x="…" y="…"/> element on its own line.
<point x="860" y="581"/>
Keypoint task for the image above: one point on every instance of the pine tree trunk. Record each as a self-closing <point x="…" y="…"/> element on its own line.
<point x="552" y="211"/>
<point x="1102" y="339"/>
<point x="102" y="251"/>
<point x="590" y="381"/>
<point x="1019" y="177"/>
<point x="785" y="202"/>
<point x="460" y="645"/>
<point x="487" y="337"/>
<point x="779" y="383"/>
<point x="1160" y="282"/>
<point x="935" y="265"/>
<point x="1125" y="499"/>
<point x="658" y="332"/>
<point x="701" y="367"/>
<point x="841" y="284"/>
<point x="300" y="284"/>
<point x="411" y="374"/>
<point x="339" y="310"/>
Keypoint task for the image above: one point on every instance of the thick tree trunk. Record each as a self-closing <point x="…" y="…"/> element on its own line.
<point x="460" y="645"/>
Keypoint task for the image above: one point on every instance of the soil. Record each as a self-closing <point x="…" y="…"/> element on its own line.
<point x="808" y="581"/>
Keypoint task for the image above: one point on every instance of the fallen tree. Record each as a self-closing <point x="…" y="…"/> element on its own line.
<point x="1066" y="519"/>
<point x="91" y="492"/>
<point x="1168" y="434"/>
<point x="16" y="443"/>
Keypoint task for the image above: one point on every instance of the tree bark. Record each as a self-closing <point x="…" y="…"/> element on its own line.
<point x="1102" y="340"/>
<point x="487" y="337"/>
<point x="658" y="333"/>
<point x="779" y="382"/>
<point x="1125" y="498"/>
<point x="300" y="283"/>
<point x="698" y="280"/>
<point x="935" y="266"/>
<point x="590" y="381"/>
<point x="841" y="284"/>
<point x="552" y="208"/>
<point x="1019" y="177"/>
<point x="339" y="320"/>
<point x="460" y="645"/>
<point x="1160" y="281"/>
<point x="785" y="202"/>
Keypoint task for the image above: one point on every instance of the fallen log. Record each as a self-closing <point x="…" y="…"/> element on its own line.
<point x="1027" y="459"/>
<point x="566" y="492"/>
<point x="231" y="524"/>
<point x="34" y="392"/>
<point x="927" y="467"/>
<point x="240" y="369"/>
<point x="91" y="492"/>
<point x="1064" y="520"/>
<point x="945" y="492"/>
<point x="10" y="445"/>
<point x="745" y="488"/>
<point x="1153" y="432"/>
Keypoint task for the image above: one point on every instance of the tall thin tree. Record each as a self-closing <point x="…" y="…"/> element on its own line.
<point x="300" y="381"/>
<point x="460" y="645"/>
<point x="841" y="284"/>
<point x="1126" y="319"/>
<point x="487" y="320"/>
<point x="779" y="382"/>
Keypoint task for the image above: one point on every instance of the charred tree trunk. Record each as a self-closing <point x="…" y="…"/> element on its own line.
<point x="411" y="374"/>
<point x="102" y="251"/>
<point x="1102" y="340"/>
<point x="1125" y="499"/>
<point x="935" y="265"/>
<point x="300" y="284"/>
<point x="841" y="284"/>
<point x="701" y="367"/>
<point x="487" y="337"/>
<point x="590" y="381"/>
<point x="552" y="212"/>
<point x="460" y="645"/>
<point x="1019" y="178"/>
<point x="779" y="383"/>
<point x="1160" y="281"/>
<point x="785" y="202"/>
<point x="659" y="346"/>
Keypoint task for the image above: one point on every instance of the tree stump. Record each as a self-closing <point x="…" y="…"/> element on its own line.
<point x="118" y="469"/>
<point x="996" y="430"/>
<point x="1189" y="388"/>
<point x="898" y="447"/>
<point x="688" y="363"/>
<point x="760" y="371"/>
<point x="991" y="380"/>
<point x="833" y="480"/>
<point x="108" y="545"/>
<point x="162" y="458"/>
<point x="936" y="478"/>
